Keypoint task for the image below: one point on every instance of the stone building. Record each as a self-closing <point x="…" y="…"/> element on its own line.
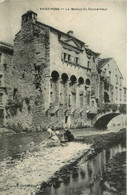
<point x="6" y="53"/>
<point x="55" y="79"/>
<point x="113" y="81"/>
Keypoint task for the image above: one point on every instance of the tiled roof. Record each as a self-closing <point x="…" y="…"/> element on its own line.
<point x="40" y="23"/>
<point x="102" y="62"/>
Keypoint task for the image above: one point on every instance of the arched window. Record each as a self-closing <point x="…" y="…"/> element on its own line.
<point x="64" y="77"/>
<point x="80" y="80"/>
<point x="88" y="82"/>
<point x="54" y="86"/>
<point x="55" y="76"/>
<point x="73" y="79"/>
<point x="64" y="86"/>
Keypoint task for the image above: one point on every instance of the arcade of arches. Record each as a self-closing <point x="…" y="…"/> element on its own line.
<point x="69" y="92"/>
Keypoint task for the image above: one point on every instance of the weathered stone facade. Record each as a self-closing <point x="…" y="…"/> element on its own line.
<point x="53" y="79"/>
<point x="6" y="71"/>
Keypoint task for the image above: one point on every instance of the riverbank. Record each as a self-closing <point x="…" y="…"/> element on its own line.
<point x="98" y="143"/>
<point x="25" y="174"/>
<point x="104" y="141"/>
<point x="40" y="167"/>
<point x="115" y="175"/>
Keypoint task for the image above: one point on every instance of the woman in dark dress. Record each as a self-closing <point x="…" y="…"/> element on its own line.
<point x="68" y="136"/>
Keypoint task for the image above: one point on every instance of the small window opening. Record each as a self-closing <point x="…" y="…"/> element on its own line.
<point x="88" y="64"/>
<point x="14" y="93"/>
<point x="69" y="57"/>
<point x="76" y="60"/>
<point x="5" y="66"/>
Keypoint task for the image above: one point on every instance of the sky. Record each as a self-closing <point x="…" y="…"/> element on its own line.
<point x="102" y="30"/>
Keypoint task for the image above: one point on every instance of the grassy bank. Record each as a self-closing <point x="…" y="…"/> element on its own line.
<point x="104" y="141"/>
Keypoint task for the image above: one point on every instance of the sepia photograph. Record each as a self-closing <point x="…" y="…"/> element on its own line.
<point x="63" y="97"/>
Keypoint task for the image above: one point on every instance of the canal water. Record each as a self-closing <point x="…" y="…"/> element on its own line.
<point x="86" y="177"/>
<point x="14" y="144"/>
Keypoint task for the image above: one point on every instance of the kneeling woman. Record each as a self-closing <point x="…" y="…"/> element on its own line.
<point x="53" y="139"/>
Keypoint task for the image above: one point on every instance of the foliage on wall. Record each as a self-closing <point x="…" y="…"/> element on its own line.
<point x="13" y="105"/>
<point x="122" y="108"/>
<point x="16" y="104"/>
<point x="103" y="108"/>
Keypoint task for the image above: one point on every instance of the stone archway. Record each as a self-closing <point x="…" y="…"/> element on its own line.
<point x="103" y="120"/>
<point x="64" y="89"/>
<point x="54" y="94"/>
<point x="88" y="82"/>
<point x="73" y="88"/>
<point x="73" y="79"/>
<point x="80" y="93"/>
<point x="55" y="76"/>
<point x="80" y="80"/>
<point x="64" y="77"/>
<point x="88" y="90"/>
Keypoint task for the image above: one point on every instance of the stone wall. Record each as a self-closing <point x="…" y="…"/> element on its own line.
<point x="6" y="75"/>
<point x="44" y="88"/>
<point x="30" y="70"/>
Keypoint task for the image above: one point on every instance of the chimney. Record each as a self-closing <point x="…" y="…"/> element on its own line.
<point x="29" y="16"/>
<point x="70" y="33"/>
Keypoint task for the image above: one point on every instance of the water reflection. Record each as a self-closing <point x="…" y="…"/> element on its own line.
<point x="14" y="145"/>
<point x="88" y="176"/>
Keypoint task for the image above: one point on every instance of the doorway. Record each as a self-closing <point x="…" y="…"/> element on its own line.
<point x="1" y="117"/>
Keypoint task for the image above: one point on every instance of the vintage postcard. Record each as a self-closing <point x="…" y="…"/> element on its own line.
<point x="62" y="97"/>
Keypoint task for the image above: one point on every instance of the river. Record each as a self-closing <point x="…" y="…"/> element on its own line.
<point x="85" y="178"/>
<point x="14" y="144"/>
<point x="22" y="168"/>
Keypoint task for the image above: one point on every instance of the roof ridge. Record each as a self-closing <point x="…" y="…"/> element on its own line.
<point x="103" y="61"/>
<point x="6" y="44"/>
